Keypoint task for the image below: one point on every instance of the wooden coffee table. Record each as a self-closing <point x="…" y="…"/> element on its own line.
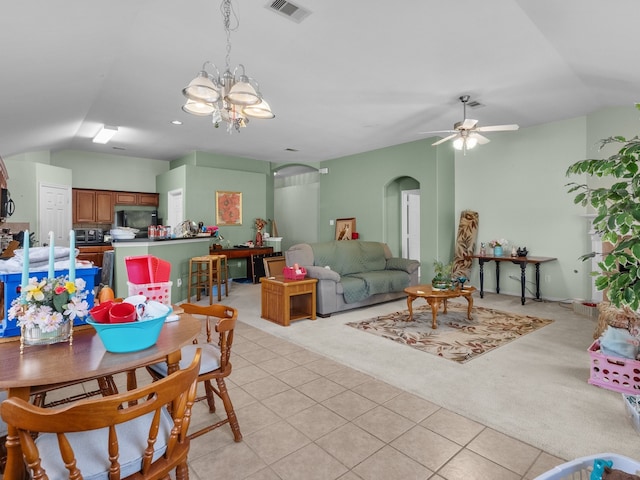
<point x="435" y="297"/>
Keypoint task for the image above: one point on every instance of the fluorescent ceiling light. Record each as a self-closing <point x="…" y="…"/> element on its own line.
<point x="105" y="134"/>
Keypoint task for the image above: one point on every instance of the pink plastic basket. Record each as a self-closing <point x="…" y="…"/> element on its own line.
<point x="614" y="373"/>
<point x="290" y="273"/>
<point x="160" y="292"/>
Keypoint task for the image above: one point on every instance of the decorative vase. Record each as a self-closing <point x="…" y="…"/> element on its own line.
<point x="259" y="242"/>
<point x="497" y="251"/>
<point x="35" y="336"/>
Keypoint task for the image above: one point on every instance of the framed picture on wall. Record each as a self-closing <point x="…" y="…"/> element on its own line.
<point x="228" y="208"/>
<point x="345" y="228"/>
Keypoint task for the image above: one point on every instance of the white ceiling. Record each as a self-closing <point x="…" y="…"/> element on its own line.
<point x="354" y="76"/>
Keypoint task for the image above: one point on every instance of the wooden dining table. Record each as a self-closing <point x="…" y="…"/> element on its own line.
<point x="86" y="359"/>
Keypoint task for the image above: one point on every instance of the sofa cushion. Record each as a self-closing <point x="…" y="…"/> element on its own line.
<point x="359" y="286"/>
<point x="301" y="254"/>
<point x="346" y="257"/>
<point x="404" y="264"/>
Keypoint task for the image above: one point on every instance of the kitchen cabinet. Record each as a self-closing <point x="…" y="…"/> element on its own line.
<point x="134" y="198"/>
<point x="104" y="207"/>
<point x="92" y="206"/>
<point x="93" y="253"/>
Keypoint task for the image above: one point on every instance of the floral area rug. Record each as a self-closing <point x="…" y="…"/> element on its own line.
<point x="456" y="337"/>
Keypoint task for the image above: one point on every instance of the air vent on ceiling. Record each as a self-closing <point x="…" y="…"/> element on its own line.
<point x="289" y="10"/>
<point x="475" y="104"/>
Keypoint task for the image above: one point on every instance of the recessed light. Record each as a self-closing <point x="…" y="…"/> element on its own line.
<point x="176" y="122"/>
<point x="105" y="134"/>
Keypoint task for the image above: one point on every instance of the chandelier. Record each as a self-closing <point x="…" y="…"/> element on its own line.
<point x="232" y="97"/>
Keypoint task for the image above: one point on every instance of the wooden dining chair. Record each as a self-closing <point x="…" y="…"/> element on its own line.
<point x="215" y="362"/>
<point x="107" y="438"/>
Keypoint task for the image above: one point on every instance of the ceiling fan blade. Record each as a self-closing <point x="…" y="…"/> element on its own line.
<point x="467" y="124"/>
<point x="438" y="131"/>
<point x="498" y="128"/>
<point x="442" y="140"/>
<point x="482" y="140"/>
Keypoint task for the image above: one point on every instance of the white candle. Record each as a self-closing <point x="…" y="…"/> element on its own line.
<point x="52" y="256"/>
<point x="25" y="265"/>
<point x="72" y="256"/>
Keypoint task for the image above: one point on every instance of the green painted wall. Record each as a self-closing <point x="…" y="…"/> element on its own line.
<point x="110" y="172"/>
<point x="517" y="183"/>
<point x="367" y="186"/>
<point x="200" y="185"/>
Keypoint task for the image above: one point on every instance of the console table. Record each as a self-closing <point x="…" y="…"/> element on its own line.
<point x="522" y="261"/>
<point x="245" y="253"/>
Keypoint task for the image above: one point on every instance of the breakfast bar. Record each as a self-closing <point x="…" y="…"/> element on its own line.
<point x="522" y="261"/>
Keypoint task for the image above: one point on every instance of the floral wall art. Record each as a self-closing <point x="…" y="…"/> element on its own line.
<point x="228" y="208"/>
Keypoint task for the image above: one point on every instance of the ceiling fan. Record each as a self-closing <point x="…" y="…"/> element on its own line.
<point x="466" y="134"/>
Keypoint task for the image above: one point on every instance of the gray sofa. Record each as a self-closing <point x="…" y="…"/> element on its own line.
<point x="353" y="273"/>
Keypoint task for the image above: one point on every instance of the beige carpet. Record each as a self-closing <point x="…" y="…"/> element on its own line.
<point x="456" y="338"/>
<point x="534" y="389"/>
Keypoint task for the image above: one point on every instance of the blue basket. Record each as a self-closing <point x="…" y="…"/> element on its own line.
<point x="131" y="336"/>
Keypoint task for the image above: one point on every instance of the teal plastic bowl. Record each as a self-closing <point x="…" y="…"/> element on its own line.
<point x="129" y="337"/>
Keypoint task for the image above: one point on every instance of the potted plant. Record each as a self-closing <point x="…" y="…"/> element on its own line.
<point x="617" y="218"/>
<point x="442" y="278"/>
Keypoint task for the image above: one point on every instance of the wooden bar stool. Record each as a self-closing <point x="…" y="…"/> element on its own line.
<point x="204" y="272"/>
<point x="224" y="269"/>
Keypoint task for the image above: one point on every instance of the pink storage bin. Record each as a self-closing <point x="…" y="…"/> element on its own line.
<point x="290" y="273"/>
<point x="161" y="270"/>
<point x="613" y="373"/>
<point x="140" y="269"/>
<point x="159" y="292"/>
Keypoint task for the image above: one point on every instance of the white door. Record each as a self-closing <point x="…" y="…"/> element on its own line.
<point x="54" y="214"/>
<point x="411" y="224"/>
<point x="175" y="210"/>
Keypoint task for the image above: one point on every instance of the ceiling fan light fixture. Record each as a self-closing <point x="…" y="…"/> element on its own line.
<point x="471" y="142"/>
<point x="458" y="143"/>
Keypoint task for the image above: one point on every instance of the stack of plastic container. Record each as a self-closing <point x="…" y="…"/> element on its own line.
<point x="149" y="276"/>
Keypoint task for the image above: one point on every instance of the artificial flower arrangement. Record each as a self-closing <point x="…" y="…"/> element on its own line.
<point x="261" y="223"/>
<point x="49" y="302"/>
<point x="498" y="243"/>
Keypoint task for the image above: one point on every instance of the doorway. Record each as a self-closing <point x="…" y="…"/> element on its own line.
<point x="54" y="213"/>
<point x="175" y="210"/>
<point x="411" y="224"/>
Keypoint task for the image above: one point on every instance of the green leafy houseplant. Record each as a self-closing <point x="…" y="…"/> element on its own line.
<point x="617" y="218"/>
<point x="442" y="278"/>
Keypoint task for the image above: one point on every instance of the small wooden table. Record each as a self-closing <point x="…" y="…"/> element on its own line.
<point x="435" y="297"/>
<point x="285" y="300"/>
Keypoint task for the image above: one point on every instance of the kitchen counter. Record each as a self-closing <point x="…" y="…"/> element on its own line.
<point x="158" y="240"/>
<point x="177" y="251"/>
<point x="98" y="244"/>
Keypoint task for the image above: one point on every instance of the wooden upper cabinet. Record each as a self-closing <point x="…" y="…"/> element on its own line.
<point x="97" y="206"/>
<point x="84" y="206"/>
<point x="92" y="206"/>
<point x="104" y="207"/>
<point x="150" y="199"/>
<point x="125" y="198"/>
<point x="132" y="198"/>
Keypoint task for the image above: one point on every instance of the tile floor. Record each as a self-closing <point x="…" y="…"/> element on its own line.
<point x="304" y="416"/>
